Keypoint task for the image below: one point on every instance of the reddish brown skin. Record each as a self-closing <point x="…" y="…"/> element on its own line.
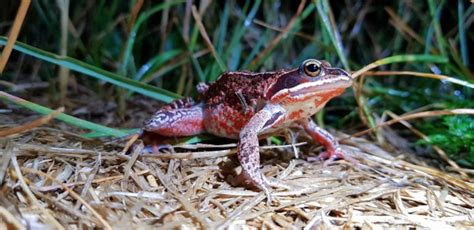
<point x="244" y="105"/>
<point x="223" y="106"/>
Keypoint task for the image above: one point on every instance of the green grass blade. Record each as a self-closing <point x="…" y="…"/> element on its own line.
<point x="192" y="45"/>
<point x="133" y="34"/>
<point x="435" y="14"/>
<point x="224" y="24"/>
<point x="462" y="34"/>
<point x="96" y="134"/>
<point x="239" y="32"/>
<point x="155" y="63"/>
<point x="62" y="117"/>
<point x="263" y="39"/>
<point x="323" y="10"/>
<point x="93" y="71"/>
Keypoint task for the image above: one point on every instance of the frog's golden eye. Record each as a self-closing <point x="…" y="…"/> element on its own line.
<point x="311" y="67"/>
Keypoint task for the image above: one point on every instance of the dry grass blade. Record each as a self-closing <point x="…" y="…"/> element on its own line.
<point x="425" y="75"/>
<point x="399" y="58"/>
<point x="63" y="72"/>
<point x="442" y="175"/>
<point x="134" y="14"/>
<point x="211" y="154"/>
<point x="407" y="117"/>
<point x="360" y="100"/>
<point x="20" y="16"/>
<point x="283" y="33"/>
<point x="144" y="191"/>
<point x="95" y="181"/>
<point x="299" y="34"/>
<point x="206" y="38"/>
<point x="400" y="25"/>
<point x="50" y="219"/>
<point x="76" y="196"/>
<point x="8" y="221"/>
<point x="31" y="125"/>
<point x="438" y="150"/>
<point x="131" y="140"/>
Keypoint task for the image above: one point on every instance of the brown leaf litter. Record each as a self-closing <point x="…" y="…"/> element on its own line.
<point x="52" y="178"/>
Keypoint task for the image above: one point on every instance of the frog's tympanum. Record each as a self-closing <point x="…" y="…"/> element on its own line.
<point x="245" y="105"/>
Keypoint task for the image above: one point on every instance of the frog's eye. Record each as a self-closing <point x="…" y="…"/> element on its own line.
<point x="311" y="67"/>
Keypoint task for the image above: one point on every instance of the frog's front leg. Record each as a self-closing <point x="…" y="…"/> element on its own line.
<point x="248" y="148"/>
<point x="333" y="150"/>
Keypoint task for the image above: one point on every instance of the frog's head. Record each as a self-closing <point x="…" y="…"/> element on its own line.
<point x="313" y="79"/>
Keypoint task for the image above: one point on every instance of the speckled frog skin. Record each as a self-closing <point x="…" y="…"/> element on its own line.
<point x="244" y="105"/>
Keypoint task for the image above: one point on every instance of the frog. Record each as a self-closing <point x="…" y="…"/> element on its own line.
<point x="246" y="106"/>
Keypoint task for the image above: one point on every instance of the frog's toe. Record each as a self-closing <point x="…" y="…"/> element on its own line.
<point x="269" y="197"/>
<point x="261" y="184"/>
<point x="157" y="148"/>
<point x="329" y="156"/>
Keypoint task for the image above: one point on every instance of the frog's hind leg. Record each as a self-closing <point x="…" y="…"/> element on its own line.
<point x="180" y="118"/>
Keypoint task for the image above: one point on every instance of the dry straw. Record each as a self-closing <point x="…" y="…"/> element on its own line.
<point x="79" y="182"/>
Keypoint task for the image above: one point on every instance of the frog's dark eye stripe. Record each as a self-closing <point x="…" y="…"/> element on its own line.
<point x="311" y="67"/>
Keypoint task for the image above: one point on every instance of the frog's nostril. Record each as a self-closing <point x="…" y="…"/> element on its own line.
<point x="343" y="72"/>
<point x="336" y="72"/>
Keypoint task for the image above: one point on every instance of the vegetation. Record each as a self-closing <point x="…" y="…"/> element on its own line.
<point x="161" y="50"/>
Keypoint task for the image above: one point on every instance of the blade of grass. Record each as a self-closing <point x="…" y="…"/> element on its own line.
<point x="20" y="16"/>
<point x="63" y="72"/>
<point x="62" y="117"/>
<point x="191" y="46"/>
<point x="169" y="66"/>
<point x="288" y="34"/>
<point x="205" y="36"/>
<point x="326" y="15"/>
<point x="462" y="34"/>
<point x="436" y="14"/>
<point x="263" y="39"/>
<point x="280" y="36"/>
<point x="133" y="33"/>
<point x="95" y="134"/>
<point x="126" y="68"/>
<point x="401" y="58"/>
<point x="155" y="63"/>
<point x="224" y="23"/>
<point x="441" y="153"/>
<point x="425" y="75"/>
<point x="30" y="125"/>
<point x="93" y="71"/>
<point x="239" y="31"/>
<point x="406" y="117"/>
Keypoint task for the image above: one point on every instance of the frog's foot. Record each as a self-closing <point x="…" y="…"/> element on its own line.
<point x="262" y="184"/>
<point x="330" y="156"/>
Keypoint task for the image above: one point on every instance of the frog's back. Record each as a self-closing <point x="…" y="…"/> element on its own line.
<point x="233" y="99"/>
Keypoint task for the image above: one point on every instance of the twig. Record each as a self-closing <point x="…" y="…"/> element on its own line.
<point x="26" y="127"/>
<point x="20" y="16"/>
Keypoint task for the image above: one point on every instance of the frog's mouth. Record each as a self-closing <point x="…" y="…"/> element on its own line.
<point x="321" y="86"/>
